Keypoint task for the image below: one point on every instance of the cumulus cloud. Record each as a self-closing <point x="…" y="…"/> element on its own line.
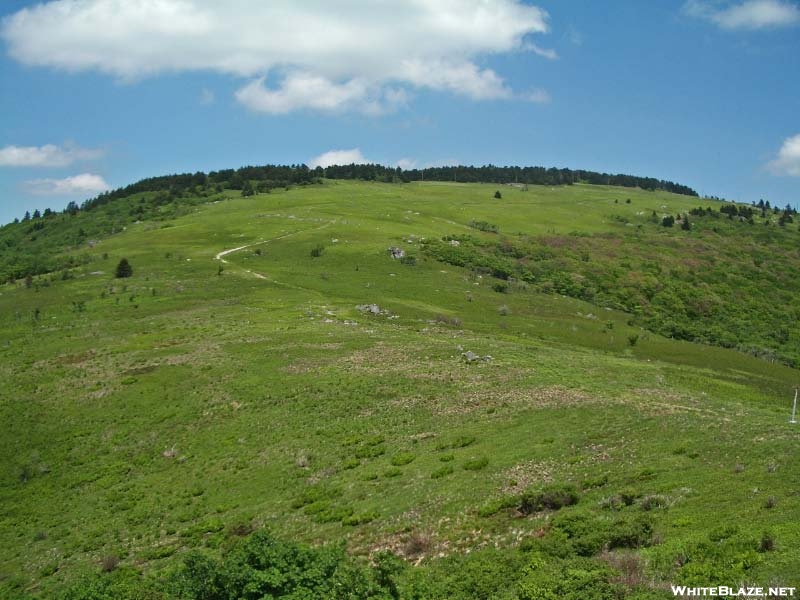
<point x="48" y="155"/>
<point x="788" y="159"/>
<point x="83" y="184"/>
<point x="750" y="14"/>
<point x="339" y="157"/>
<point x="327" y="56"/>
<point x="305" y="90"/>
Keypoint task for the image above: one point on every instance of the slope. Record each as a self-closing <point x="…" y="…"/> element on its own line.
<point x="188" y="404"/>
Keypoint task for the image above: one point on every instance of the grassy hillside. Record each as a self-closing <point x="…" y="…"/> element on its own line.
<point x="204" y="398"/>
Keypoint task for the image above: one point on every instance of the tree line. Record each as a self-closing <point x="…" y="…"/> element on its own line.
<point x="500" y="175"/>
<point x="261" y="179"/>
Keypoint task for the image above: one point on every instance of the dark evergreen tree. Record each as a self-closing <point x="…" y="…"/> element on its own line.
<point x="124" y="269"/>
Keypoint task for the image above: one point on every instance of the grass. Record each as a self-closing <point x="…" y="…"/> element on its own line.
<point x="180" y="404"/>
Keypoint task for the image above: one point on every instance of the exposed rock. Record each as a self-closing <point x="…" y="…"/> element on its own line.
<point x="470" y="357"/>
<point x="369" y="308"/>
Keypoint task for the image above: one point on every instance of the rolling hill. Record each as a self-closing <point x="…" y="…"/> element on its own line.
<point x="554" y="391"/>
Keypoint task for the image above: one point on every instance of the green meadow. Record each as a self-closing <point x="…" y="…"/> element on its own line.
<point x="623" y="427"/>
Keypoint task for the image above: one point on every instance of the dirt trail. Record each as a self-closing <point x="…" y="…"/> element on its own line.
<point x="219" y="255"/>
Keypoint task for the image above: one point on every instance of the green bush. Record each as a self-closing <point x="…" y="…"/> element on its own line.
<point x="370" y="451"/>
<point x="553" y="497"/>
<point x="630" y="533"/>
<point x="495" y="506"/>
<point x="265" y="567"/>
<point x="476" y="464"/>
<point x="566" y="579"/>
<point x="461" y="441"/>
<point x="402" y="458"/>
<point x="442" y="472"/>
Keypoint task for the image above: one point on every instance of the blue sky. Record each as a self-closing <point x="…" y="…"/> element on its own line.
<point x="100" y="93"/>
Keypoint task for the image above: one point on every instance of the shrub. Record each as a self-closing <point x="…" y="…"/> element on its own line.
<point x="109" y="563"/>
<point x="476" y="464"/>
<point x="631" y="533"/>
<point x="595" y="482"/>
<point x="494" y="506"/>
<point x="351" y="463"/>
<point x="317" y="251"/>
<point x="370" y="451"/>
<point x="628" y="496"/>
<point x="501" y="287"/>
<point x="552" y="497"/>
<point x="124" y="269"/>
<point x="262" y="566"/>
<point x="354" y="520"/>
<point x="313" y="495"/>
<point x="767" y="542"/>
<point x="402" y="458"/>
<point x="484" y="226"/>
<point x="566" y="579"/>
<point x="416" y="544"/>
<point x="498" y="195"/>
<point x="654" y="501"/>
<point x="461" y="441"/>
<point x="443" y="471"/>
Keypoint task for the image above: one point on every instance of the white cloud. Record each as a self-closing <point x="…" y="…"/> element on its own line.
<point x="750" y="14"/>
<point x="407" y="164"/>
<point x="83" y="184"/>
<point x="339" y="157"/>
<point x="328" y="56"/>
<point x="547" y="53"/>
<point x="788" y="159"/>
<point x="48" y="155"/>
<point x="304" y="90"/>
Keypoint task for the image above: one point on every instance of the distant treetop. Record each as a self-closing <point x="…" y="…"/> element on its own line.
<point x="275" y="176"/>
